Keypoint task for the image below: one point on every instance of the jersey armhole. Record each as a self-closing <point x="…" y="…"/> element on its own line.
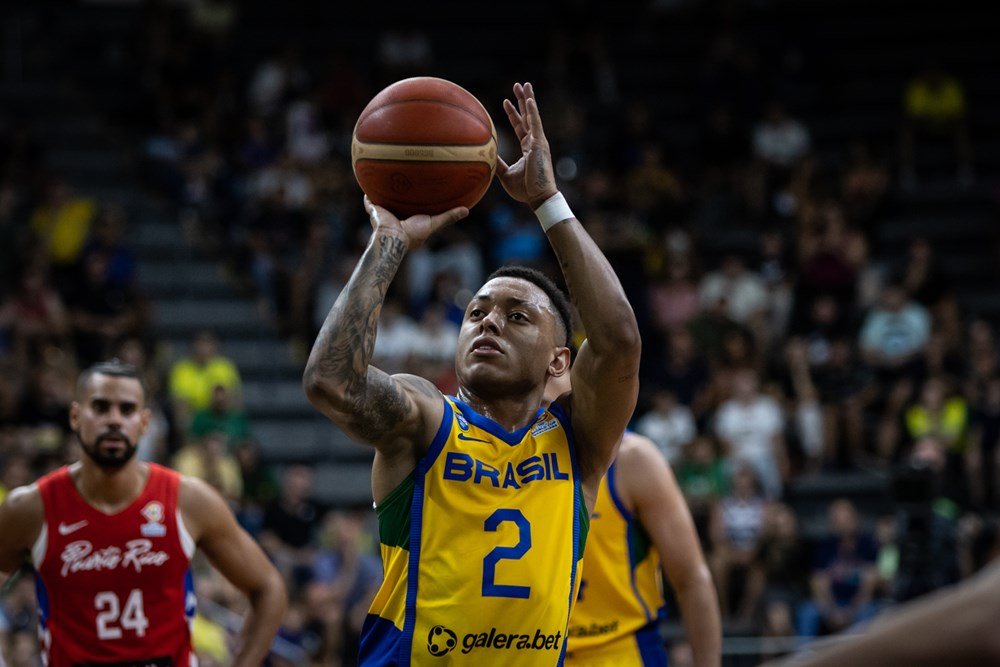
<point x="40" y="546"/>
<point x="187" y="542"/>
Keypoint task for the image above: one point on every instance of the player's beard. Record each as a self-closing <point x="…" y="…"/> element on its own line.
<point x="109" y="461"/>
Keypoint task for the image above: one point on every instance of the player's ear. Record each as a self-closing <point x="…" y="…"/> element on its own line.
<point x="74" y="416"/>
<point x="560" y="362"/>
<point x="144" y="418"/>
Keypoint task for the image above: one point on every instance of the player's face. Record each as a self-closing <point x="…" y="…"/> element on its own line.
<point x="508" y="339"/>
<point x="109" y="419"/>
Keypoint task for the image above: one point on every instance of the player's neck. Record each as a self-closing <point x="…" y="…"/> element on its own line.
<point x="110" y="490"/>
<point x="511" y="413"/>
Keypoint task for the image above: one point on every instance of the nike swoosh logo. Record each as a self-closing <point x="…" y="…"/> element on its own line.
<point x="72" y="528"/>
<point x="462" y="436"/>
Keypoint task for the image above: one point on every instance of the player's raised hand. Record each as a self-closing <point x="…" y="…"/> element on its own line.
<point x="415" y="229"/>
<point x="531" y="179"/>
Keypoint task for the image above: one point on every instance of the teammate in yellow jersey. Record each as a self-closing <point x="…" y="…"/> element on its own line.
<point x="640" y="525"/>
<point x="483" y="499"/>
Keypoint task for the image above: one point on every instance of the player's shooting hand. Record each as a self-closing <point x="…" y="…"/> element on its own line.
<point x="415" y="229"/>
<point x="530" y="179"/>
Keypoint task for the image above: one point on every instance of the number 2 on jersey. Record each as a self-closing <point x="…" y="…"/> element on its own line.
<point x="516" y="552"/>
<point x="113" y="618"/>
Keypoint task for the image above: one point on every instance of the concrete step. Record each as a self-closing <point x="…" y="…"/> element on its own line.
<point x="104" y="160"/>
<point x="343" y="484"/>
<point x="304" y="440"/>
<point x="179" y="318"/>
<point x="171" y="278"/>
<point x="276" y="399"/>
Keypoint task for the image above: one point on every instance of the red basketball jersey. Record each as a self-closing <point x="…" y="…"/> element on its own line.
<point x="114" y="589"/>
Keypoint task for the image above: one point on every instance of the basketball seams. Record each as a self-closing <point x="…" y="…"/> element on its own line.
<point x="447" y="153"/>
<point x="487" y="125"/>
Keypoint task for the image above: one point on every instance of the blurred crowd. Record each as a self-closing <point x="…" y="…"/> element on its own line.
<point x="785" y="357"/>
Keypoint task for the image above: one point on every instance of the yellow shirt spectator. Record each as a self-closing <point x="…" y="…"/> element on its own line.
<point x="192" y="383"/>
<point x="209" y="640"/>
<point x="940" y="100"/>
<point x="64" y="226"/>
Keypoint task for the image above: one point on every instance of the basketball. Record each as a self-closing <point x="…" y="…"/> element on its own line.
<point x="424" y="145"/>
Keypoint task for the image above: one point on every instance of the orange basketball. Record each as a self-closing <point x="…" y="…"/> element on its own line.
<point x="424" y="145"/>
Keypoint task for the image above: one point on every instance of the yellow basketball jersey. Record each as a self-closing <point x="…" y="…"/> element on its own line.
<point x="481" y="547"/>
<point x="621" y="593"/>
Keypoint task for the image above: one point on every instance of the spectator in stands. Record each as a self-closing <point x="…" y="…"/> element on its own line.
<point x="742" y="290"/>
<point x="922" y="278"/>
<point x="843" y="577"/>
<point x="103" y="311"/>
<point x="289" y="524"/>
<point x="736" y="526"/>
<point x="894" y="333"/>
<point x="349" y="572"/>
<point x="35" y="315"/>
<point x="702" y="478"/>
<point x="193" y="378"/>
<point x="207" y="459"/>
<point x="668" y="424"/>
<point x="221" y="416"/>
<point x="807" y="415"/>
<point x="780" y="140"/>
<point x="846" y="390"/>
<point x="108" y="238"/>
<point x="864" y="186"/>
<point x="396" y="338"/>
<point x="934" y="107"/>
<point x="433" y="350"/>
<point x="673" y="295"/>
<point x="403" y="51"/>
<point x="684" y="370"/>
<point x="983" y="444"/>
<point x="260" y="486"/>
<point x="780" y="568"/>
<point x="62" y="220"/>
<point x="751" y="427"/>
<point x="939" y="415"/>
<point x="276" y="81"/>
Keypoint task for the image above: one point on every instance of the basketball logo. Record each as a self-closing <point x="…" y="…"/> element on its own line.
<point x="440" y="641"/>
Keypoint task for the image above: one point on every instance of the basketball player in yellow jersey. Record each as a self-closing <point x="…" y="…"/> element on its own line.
<point x="639" y="525"/>
<point x="483" y="499"/>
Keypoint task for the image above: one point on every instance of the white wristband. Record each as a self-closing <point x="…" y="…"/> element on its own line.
<point x="553" y="210"/>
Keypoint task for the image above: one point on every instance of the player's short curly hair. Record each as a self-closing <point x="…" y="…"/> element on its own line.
<point x="558" y="298"/>
<point x="114" y="368"/>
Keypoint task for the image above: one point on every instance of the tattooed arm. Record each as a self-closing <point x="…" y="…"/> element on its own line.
<point x="605" y="374"/>
<point x="396" y="413"/>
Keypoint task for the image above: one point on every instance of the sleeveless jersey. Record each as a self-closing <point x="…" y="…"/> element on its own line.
<point x="621" y="596"/>
<point x="480" y="547"/>
<point x="114" y="589"/>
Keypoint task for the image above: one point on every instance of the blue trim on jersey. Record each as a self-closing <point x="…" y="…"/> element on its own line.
<point x="630" y="525"/>
<point x="613" y="490"/>
<point x="190" y="600"/>
<point x="380" y="640"/>
<point x="650" y="645"/>
<point x="560" y="414"/>
<point x="440" y="438"/>
<point x="43" y="601"/>
<point x="416" y="523"/>
<point x="493" y="428"/>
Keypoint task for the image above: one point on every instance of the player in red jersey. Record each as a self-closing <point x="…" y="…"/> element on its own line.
<point x="111" y="539"/>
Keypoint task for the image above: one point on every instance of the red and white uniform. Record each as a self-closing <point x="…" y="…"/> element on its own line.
<point x="114" y="589"/>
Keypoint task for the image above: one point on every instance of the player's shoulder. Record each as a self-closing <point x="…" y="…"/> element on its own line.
<point x="639" y="464"/>
<point x="637" y="449"/>
<point x="193" y="493"/>
<point x="22" y="515"/>
<point x="25" y="500"/>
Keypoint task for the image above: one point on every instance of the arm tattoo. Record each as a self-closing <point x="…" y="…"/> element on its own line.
<point x="343" y="349"/>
